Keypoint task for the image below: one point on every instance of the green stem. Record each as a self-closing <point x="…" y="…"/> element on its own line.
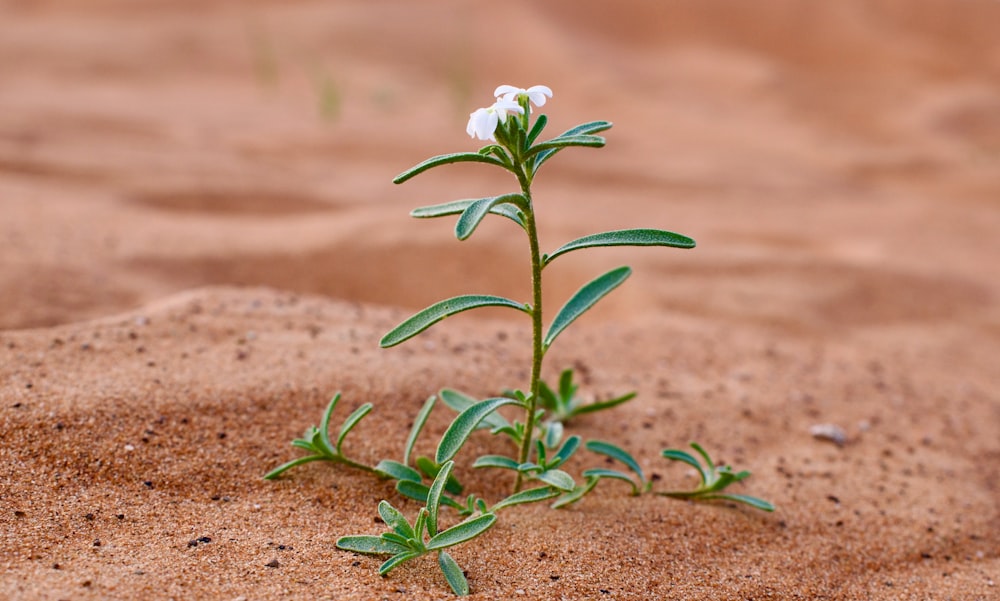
<point x="538" y="350"/>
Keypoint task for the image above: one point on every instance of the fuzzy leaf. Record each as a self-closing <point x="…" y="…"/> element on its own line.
<point x="615" y="474"/>
<point x="565" y="452"/>
<point x="584" y="299"/>
<point x="457" y="207"/>
<point x="395" y="469"/>
<point x="532" y="495"/>
<point x="556" y="478"/>
<point x="461" y="532"/>
<point x="396" y="560"/>
<point x="566" y="141"/>
<point x="418" y="425"/>
<point x="446" y="159"/>
<point x="460" y="429"/>
<point x="498" y="461"/>
<point x="635" y="237"/>
<point x="678" y="455"/>
<point x="271" y="475"/>
<point x="746" y="499"/>
<point x="370" y="545"/>
<point x="592" y="127"/>
<point x="419" y="492"/>
<point x="601" y="405"/>
<point x="352" y="420"/>
<point x="395" y="520"/>
<point x="453" y="574"/>
<point x="438" y="311"/>
<point x="427" y="466"/>
<point x="434" y="496"/>
<point x="475" y="212"/>
<point x="460" y="402"/>
<point x="576" y="494"/>
<point x="324" y="425"/>
<point x="618" y="453"/>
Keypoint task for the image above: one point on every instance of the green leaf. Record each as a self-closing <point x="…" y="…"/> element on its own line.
<point x="419" y="492"/>
<point x="418" y="425"/>
<point x="453" y="574"/>
<point x="618" y="453"/>
<point x="396" y="470"/>
<point x="565" y="452"/>
<point x="461" y="532"/>
<point x="584" y="129"/>
<point x="601" y="405"/>
<point x="532" y="495"/>
<point x="369" y="545"/>
<point x="584" y="299"/>
<point x="635" y="237"/>
<point x="395" y="520"/>
<point x="324" y="425"/>
<point x="498" y="461"/>
<point x="427" y="466"/>
<point x="553" y="433"/>
<point x="460" y="402"/>
<point x="475" y="212"/>
<point x="352" y="420"/>
<point x="561" y="142"/>
<point x="396" y="560"/>
<point x="434" y="496"/>
<point x="746" y="499"/>
<point x="446" y="159"/>
<point x="576" y="494"/>
<point x="615" y="474"/>
<point x="678" y="455"/>
<point x="536" y="129"/>
<point x="271" y="475"/>
<point x="460" y="429"/>
<point x="457" y="207"/>
<point x="556" y="478"/>
<point x="438" y="311"/>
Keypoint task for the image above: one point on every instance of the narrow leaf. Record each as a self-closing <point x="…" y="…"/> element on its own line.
<point x="584" y="299"/>
<point x="271" y="475"/>
<point x="601" y="405"/>
<point x="453" y="574"/>
<point x="614" y="474"/>
<point x="352" y="420"/>
<point x="566" y="451"/>
<point x="445" y="159"/>
<point x="396" y="470"/>
<point x="418" y="425"/>
<point x="434" y="496"/>
<point x="396" y="560"/>
<point x="532" y="495"/>
<point x="394" y="519"/>
<point x="427" y="466"/>
<point x="618" y="453"/>
<point x="576" y="494"/>
<point x="536" y="130"/>
<point x="678" y="455"/>
<point x="419" y="492"/>
<point x="370" y="545"/>
<point x="556" y="478"/>
<point x="456" y="207"/>
<point x="566" y="141"/>
<point x="498" y="461"/>
<point x="553" y="433"/>
<point x="584" y="129"/>
<point x="438" y="311"/>
<point x="461" y="532"/>
<point x="747" y="499"/>
<point x="460" y="429"/>
<point x="475" y="212"/>
<point x="460" y="402"/>
<point x="324" y="425"/>
<point x="635" y="237"/>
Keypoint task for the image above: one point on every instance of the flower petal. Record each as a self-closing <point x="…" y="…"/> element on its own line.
<point x="537" y="94"/>
<point x="506" y="89"/>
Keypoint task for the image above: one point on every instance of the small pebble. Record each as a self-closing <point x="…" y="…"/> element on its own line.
<point x="830" y="433"/>
<point x="273" y="564"/>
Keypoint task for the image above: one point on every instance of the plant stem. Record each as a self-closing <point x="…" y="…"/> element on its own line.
<point x="536" y="327"/>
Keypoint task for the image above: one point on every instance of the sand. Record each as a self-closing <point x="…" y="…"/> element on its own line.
<point x="201" y="244"/>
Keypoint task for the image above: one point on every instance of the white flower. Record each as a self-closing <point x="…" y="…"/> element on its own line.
<point x="483" y="122"/>
<point x="536" y="94"/>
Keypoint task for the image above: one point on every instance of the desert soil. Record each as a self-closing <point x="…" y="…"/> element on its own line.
<point x="201" y="244"/>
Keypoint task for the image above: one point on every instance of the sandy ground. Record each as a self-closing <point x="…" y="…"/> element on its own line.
<point x="200" y="244"/>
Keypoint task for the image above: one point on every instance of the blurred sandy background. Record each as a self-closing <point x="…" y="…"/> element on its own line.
<point x="837" y="162"/>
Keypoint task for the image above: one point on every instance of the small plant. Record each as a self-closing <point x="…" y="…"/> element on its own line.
<point x="539" y="451"/>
